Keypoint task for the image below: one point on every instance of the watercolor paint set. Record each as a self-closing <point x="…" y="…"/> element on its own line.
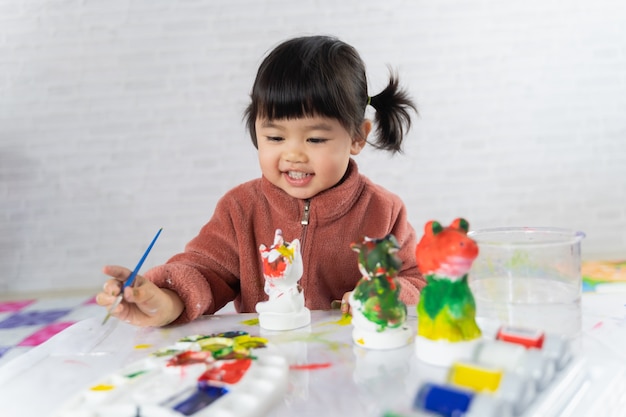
<point x="520" y="372"/>
<point x="225" y="375"/>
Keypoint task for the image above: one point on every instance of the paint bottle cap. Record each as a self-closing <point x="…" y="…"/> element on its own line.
<point x="498" y="353"/>
<point x="556" y="348"/>
<point x="513" y="357"/>
<point x="538" y="368"/>
<point x="442" y="399"/>
<point x="488" y="406"/>
<point x="529" y="338"/>
<point x="448" y="400"/>
<point x="516" y="390"/>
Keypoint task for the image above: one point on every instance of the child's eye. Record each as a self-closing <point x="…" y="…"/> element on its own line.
<point x="274" y="138"/>
<point x="317" y="140"/>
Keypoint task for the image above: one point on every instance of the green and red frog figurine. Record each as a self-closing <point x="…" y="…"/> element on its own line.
<point x="378" y="315"/>
<point x="446" y="324"/>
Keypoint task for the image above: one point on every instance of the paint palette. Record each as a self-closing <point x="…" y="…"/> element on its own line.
<point x="225" y="375"/>
<point x="521" y="372"/>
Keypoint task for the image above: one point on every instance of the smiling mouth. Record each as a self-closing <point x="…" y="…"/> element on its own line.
<point x="297" y="175"/>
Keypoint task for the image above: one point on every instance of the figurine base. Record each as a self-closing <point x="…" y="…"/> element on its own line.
<point x="387" y="339"/>
<point x="285" y="321"/>
<point x="443" y="352"/>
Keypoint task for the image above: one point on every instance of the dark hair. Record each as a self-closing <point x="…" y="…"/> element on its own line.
<point x="323" y="76"/>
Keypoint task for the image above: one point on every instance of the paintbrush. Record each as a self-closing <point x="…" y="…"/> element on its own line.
<point x="131" y="278"/>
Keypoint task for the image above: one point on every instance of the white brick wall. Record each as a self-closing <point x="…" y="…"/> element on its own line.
<point x="119" y="117"/>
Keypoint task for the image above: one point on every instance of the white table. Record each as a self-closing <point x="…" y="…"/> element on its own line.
<point x="351" y="382"/>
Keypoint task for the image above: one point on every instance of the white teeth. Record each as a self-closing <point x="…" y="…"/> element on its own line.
<point x="296" y="175"/>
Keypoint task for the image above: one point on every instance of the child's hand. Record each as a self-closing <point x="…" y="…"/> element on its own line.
<point x="344" y="304"/>
<point x="144" y="304"/>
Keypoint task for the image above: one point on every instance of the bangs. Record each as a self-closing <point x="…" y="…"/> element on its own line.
<point x="308" y="77"/>
<point x="293" y="94"/>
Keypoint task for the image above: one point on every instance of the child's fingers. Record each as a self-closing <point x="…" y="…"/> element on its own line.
<point x="109" y="293"/>
<point x="111" y="287"/>
<point x="345" y="303"/>
<point x="146" y="295"/>
<point x="118" y="272"/>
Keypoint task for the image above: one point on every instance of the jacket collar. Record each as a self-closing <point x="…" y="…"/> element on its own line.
<point x="325" y="206"/>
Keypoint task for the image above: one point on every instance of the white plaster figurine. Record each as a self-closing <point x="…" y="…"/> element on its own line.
<point x="378" y="315"/>
<point x="282" y="270"/>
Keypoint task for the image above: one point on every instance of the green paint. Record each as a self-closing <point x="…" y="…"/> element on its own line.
<point x="378" y="291"/>
<point x="166" y="352"/>
<point x="136" y="374"/>
<point x="446" y="310"/>
<point x="519" y="258"/>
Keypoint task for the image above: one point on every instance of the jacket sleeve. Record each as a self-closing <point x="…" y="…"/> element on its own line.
<point x="410" y="279"/>
<point x="205" y="275"/>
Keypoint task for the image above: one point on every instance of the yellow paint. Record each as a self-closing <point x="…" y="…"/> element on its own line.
<point x="214" y="343"/>
<point x="310" y="338"/>
<point x="143" y="346"/>
<point x="102" y="387"/>
<point x="345" y="320"/>
<point x="361" y="341"/>
<point x="475" y="377"/>
<point x="446" y="326"/>
<point x="247" y="340"/>
<point x="251" y="322"/>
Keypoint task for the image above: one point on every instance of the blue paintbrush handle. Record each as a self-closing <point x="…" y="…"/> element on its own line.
<point x="129" y="281"/>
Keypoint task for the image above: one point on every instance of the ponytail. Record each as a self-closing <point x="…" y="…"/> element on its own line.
<point x="392" y="117"/>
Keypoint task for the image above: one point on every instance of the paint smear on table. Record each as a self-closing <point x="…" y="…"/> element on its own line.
<point x="310" y="366"/>
<point x="251" y="322"/>
<point x="143" y="346"/>
<point x="102" y="387"/>
<point x="344" y="320"/>
<point x="319" y="337"/>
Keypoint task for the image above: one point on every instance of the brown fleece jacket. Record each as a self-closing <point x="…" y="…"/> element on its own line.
<point x="223" y="263"/>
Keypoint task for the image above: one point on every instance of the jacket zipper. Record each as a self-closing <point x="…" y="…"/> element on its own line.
<point x="305" y="220"/>
<point x="305" y="215"/>
<point x="305" y="223"/>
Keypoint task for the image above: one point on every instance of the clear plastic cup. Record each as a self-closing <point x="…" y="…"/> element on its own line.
<point x="528" y="277"/>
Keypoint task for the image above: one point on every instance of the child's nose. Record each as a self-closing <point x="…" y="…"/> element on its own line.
<point x="294" y="153"/>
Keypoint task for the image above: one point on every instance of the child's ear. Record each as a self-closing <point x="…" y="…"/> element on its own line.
<point x="358" y="142"/>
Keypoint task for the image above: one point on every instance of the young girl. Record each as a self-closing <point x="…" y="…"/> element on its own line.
<point x="307" y="120"/>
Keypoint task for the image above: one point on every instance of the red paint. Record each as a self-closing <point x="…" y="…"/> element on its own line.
<point x="189" y="358"/>
<point x="446" y="249"/>
<point x="597" y="325"/>
<point x="310" y="366"/>
<point x="274" y="269"/>
<point x="526" y="337"/>
<point x="229" y="372"/>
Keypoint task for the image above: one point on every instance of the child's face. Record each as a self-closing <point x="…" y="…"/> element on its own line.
<point x="306" y="156"/>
